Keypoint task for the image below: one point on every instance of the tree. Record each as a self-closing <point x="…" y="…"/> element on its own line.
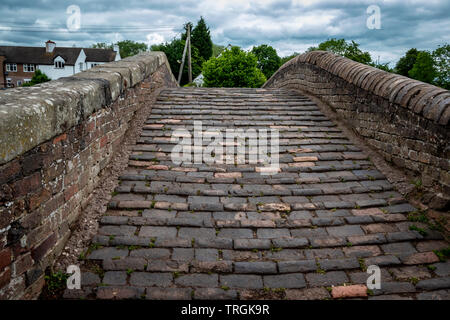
<point x="201" y="39"/>
<point x="268" y="59"/>
<point x="287" y="58"/>
<point x="406" y="63"/>
<point x="174" y="53"/>
<point x="102" y="45"/>
<point x="38" y="77"/>
<point x="234" y="68"/>
<point x="217" y="49"/>
<point x="349" y="50"/>
<point x="441" y="58"/>
<point x="424" y="69"/>
<point x="381" y="66"/>
<point x="129" y="48"/>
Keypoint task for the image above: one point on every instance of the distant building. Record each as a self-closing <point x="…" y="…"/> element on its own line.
<point x="18" y="64"/>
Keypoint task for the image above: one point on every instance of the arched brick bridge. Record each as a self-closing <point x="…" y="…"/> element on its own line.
<point x="196" y="231"/>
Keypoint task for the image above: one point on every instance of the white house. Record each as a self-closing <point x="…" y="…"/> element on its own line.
<point x="20" y="63"/>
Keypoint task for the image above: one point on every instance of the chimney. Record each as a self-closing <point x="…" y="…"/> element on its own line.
<point x="49" y="46"/>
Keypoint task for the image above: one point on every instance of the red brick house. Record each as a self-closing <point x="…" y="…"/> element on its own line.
<point x="18" y="64"/>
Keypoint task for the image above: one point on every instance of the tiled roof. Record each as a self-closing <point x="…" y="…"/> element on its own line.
<point x="38" y="55"/>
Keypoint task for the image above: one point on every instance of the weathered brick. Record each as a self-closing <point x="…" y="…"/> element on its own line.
<point x="408" y="273"/>
<point x="345" y="231"/>
<point x="144" y="279"/>
<point x="367" y="239"/>
<point x="379" y="228"/>
<point x="155" y="293"/>
<point x="120" y="293"/>
<point x="115" y="278"/>
<point x="5" y="258"/>
<point x="27" y="184"/>
<point x="167" y="266"/>
<point x="107" y="253"/>
<point x="434" y="295"/>
<point x="89" y="279"/>
<point x="339" y="264"/>
<point x="442" y="269"/>
<point x="248" y="244"/>
<point x="307" y="294"/>
<point x="352" y="291"/>
<point x="434" y="284"/>
<point x="152" y="253"/>
<point x="212" y="266"/>
<point x="241" y="281"/>
<point x="290" y="243"/>
<point x="214" y="294"/>
<point x="382" y="261"/>
<point x="297" y="266"/>
<point x="291" y="281"/>
<point x="420" y="258"/>
<point x="362" y="251"/>
<point x="198" y="280"/>
<point x="39" y="252"/>
<point x="394" y="287"/>
<point x="327" y="242"/>
<point x="5" y="277"/>
<point x="332" y="278"/>
<point x="255" y="267"/>
<point x="272" y="233"/>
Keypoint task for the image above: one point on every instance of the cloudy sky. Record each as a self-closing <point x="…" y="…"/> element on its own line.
<point x="288" y="25"/>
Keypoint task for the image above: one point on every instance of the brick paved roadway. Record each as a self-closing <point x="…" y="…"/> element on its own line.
<point x="226" y="231"/>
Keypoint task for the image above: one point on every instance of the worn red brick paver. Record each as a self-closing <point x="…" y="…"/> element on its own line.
<point x="306" y="229"/>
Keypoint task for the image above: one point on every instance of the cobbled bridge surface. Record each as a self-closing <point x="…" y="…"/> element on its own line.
<point x="227" y="231"/>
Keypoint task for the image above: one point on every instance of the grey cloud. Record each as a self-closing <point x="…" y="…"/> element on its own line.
<point x="405" y="24"/>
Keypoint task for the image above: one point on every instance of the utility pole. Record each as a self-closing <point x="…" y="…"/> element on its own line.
<point x="189" y="53"/>
<point x="182" y="60"/>
<point x="187" y="46"/>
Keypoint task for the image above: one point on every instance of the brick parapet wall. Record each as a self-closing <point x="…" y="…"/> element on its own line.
<point x="55" y="139"/>
<point x="406" y="120"/>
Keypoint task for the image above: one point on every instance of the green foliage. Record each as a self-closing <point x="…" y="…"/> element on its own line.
<point x="286" y="59"/>
<point x="174" y="53"/>
<point x="102" y="45"/>
<point x="428" y="67"/>
<point x="234" y="68"/>
<point x="381" y="66"/>
<point x="127" y="48"/>
<point x="217" y="50"/>
<point x="441" y="58"/>
<point x="201" y="50"/>
<point x="406" y="63"/>
<point x="201" y="39"/>
<point x="423" y="69"/>
<point x="38" y="77"/>
<point x="268" y="59"/>
<point x="418" y="216"/>
<point x="421" y="231"/>
<point x="443" y="254"/>
<point x="349" y="50"/>
<point x="56" y="282"/>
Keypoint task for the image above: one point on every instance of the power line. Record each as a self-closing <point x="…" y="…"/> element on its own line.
<point x="28" y="25"/>
<point x="83" y="30"/>
<point x="62" y="28"/>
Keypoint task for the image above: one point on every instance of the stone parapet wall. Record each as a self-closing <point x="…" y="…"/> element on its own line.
<point x="55" y="138"/>
<point x="406" y="120"/>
